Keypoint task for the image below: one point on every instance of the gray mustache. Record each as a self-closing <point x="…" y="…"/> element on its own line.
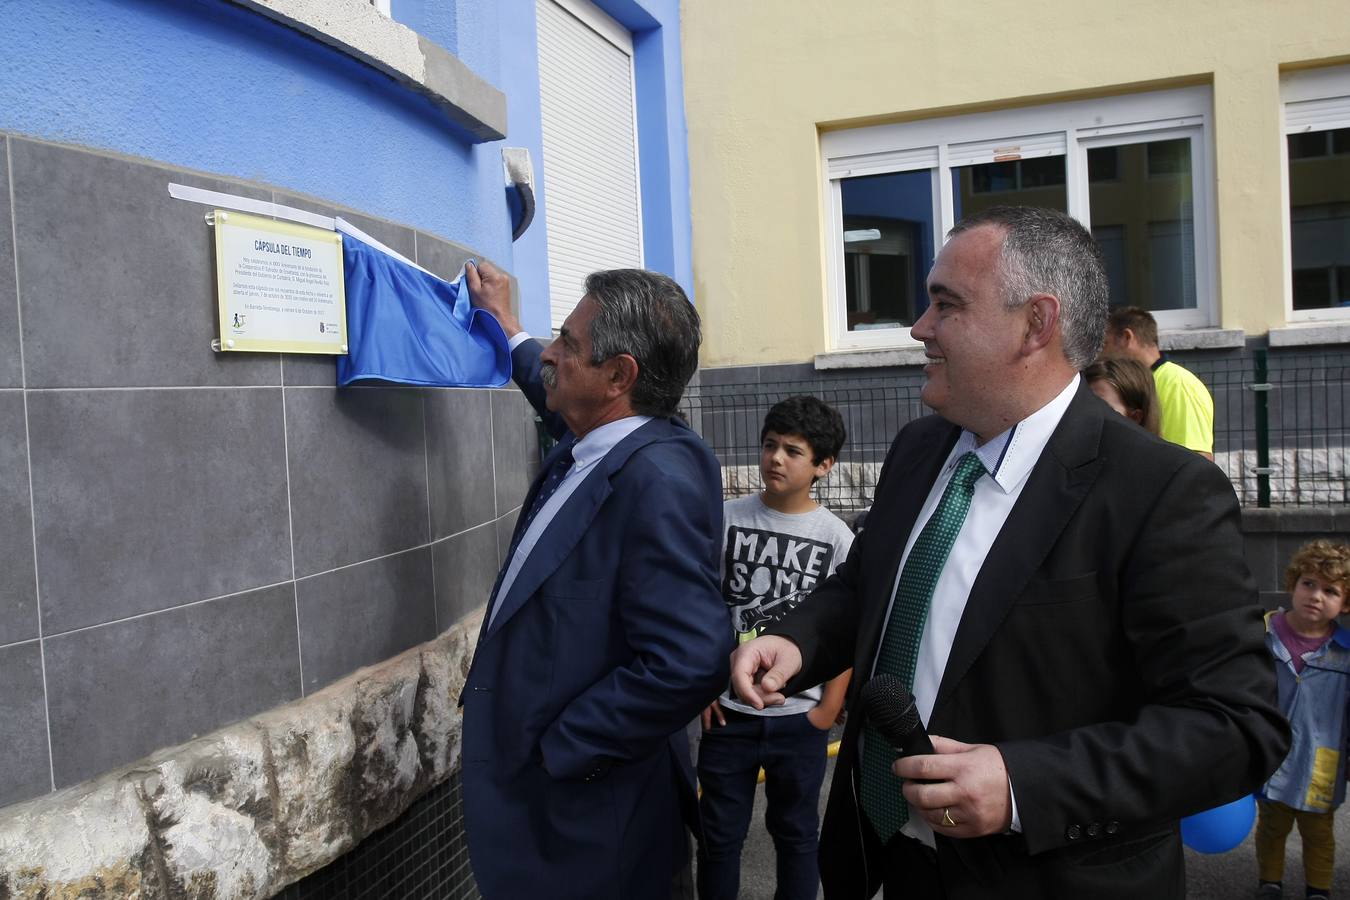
<point x="548" y="374"/>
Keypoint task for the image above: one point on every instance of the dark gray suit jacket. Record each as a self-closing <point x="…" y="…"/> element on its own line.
<point x="1111" y="647"/>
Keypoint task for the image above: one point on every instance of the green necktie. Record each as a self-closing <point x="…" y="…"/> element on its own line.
<point x="881" y="798"/>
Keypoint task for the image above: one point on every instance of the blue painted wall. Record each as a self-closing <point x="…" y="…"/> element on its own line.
<point x="209" y="85"/>
<point x="662" y="141"/>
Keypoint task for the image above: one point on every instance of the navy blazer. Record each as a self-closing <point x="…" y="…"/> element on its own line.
<point x="1111" y="647"/>
<point x="613" y="636"/>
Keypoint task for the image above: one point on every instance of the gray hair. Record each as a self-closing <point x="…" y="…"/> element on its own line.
<point x="1049" y="252"/>
<point x="646" y="315"/>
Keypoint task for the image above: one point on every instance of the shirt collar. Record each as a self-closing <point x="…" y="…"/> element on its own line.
<point x="599" y="441"/>
<point x="1009" y="457"/>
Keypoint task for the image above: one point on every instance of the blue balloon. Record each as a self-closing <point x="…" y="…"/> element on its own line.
<point x="1220" y="829"/>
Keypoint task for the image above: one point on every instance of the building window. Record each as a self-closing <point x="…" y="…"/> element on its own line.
<point x="887" y="237"/>
<point x="1133" y="168"/>
<point x="1317" y="162"/>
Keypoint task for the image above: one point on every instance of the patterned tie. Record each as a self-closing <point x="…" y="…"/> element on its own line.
<point x="881" y="798"/>
<point x="556" y="473"/>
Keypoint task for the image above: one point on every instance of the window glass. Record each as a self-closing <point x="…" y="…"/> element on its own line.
<point x="1021" y="182"/>
<point x="888" y="248"/>
<point x="1168" y="157"/>
<point x="1144" y="219"/>
<point x="1319" y="215"/>
<point x="1104" y="165"/>
<point x="1134" y="167"/>
<point x="1111" y="238"/>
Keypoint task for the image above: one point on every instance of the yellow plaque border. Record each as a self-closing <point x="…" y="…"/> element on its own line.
<point x="228" y="218"/>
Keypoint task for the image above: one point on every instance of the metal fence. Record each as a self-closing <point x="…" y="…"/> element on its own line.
<point x="1280" y="425"/>
<point x="729" y="417"/>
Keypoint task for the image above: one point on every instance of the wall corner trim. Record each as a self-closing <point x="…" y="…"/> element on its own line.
<point x="356" y="28"/>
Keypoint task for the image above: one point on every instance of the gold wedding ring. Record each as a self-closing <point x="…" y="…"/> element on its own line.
<point x="947" y="819"/>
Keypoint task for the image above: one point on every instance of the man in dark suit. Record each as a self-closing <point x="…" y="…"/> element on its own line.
<point x="1065" y="593"/>
<point x="606" y="632"/>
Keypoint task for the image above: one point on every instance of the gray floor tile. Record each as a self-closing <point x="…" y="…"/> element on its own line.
<point x="18" y="592"/>
<point x="364" y="614"/>
<point x="150" y="499"/>
<point x="459" y="459"/>
<point x="118" y="692"/>
<point x="136" y="304"/>
<point x="11" y="373"/>
<point x="358" y="474"/>
<point x="26" y="771"/>
<point x="466" y="567"/>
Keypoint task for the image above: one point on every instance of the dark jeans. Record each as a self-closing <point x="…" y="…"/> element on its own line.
<point x="792" y="752"/>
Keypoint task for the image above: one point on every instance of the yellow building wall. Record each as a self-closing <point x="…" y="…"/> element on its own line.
<point x="764" y="77"/>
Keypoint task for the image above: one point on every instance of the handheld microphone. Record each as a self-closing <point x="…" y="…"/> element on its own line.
<point x="890" y="708"/>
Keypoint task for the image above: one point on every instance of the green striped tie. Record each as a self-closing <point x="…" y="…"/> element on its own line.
<point x="881" y="798"/>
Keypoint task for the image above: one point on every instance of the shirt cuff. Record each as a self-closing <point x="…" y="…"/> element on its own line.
<point x="1016" y="826"/>
<point x="517" y="339"/>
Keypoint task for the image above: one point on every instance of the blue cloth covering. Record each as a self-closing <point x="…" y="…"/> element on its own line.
<point x="408" y="326"/>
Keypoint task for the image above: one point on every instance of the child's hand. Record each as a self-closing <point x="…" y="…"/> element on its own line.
<point x="714" y="708"/>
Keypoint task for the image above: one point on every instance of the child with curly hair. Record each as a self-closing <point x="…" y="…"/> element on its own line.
<point x="1312" y="667"/>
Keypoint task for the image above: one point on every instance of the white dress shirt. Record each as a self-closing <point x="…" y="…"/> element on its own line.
<point x="588" y="451"/>
<point x="1008" y="460"/>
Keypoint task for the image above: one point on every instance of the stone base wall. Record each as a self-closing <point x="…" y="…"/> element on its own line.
<point x="247" y="810"/>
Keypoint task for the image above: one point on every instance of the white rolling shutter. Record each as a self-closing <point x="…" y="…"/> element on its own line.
<point x="591" y="201"/>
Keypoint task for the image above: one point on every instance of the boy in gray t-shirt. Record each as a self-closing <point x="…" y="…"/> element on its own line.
<point x="778" y="545"/>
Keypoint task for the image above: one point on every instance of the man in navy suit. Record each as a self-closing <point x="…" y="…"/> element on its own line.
<point x="1064" y="593"/>
<point x="606" y="631"/>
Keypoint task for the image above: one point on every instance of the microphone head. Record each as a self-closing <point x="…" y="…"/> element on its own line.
<point x="890" y="707"/>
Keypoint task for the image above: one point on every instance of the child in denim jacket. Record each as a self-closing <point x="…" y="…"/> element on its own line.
<point x="1312" y="667"/>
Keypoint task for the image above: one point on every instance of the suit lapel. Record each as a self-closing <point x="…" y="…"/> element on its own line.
<point x="906" y="492"/>
<point x="1056" y="486"/>
<point x="570" y="523"/>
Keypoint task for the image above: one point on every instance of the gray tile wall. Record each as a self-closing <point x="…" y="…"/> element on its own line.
<point x="189" y="538"/>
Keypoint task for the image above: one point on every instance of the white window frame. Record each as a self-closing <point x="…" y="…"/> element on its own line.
<point x="1068" y="129"/>
<point x="1311" y="100"/>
